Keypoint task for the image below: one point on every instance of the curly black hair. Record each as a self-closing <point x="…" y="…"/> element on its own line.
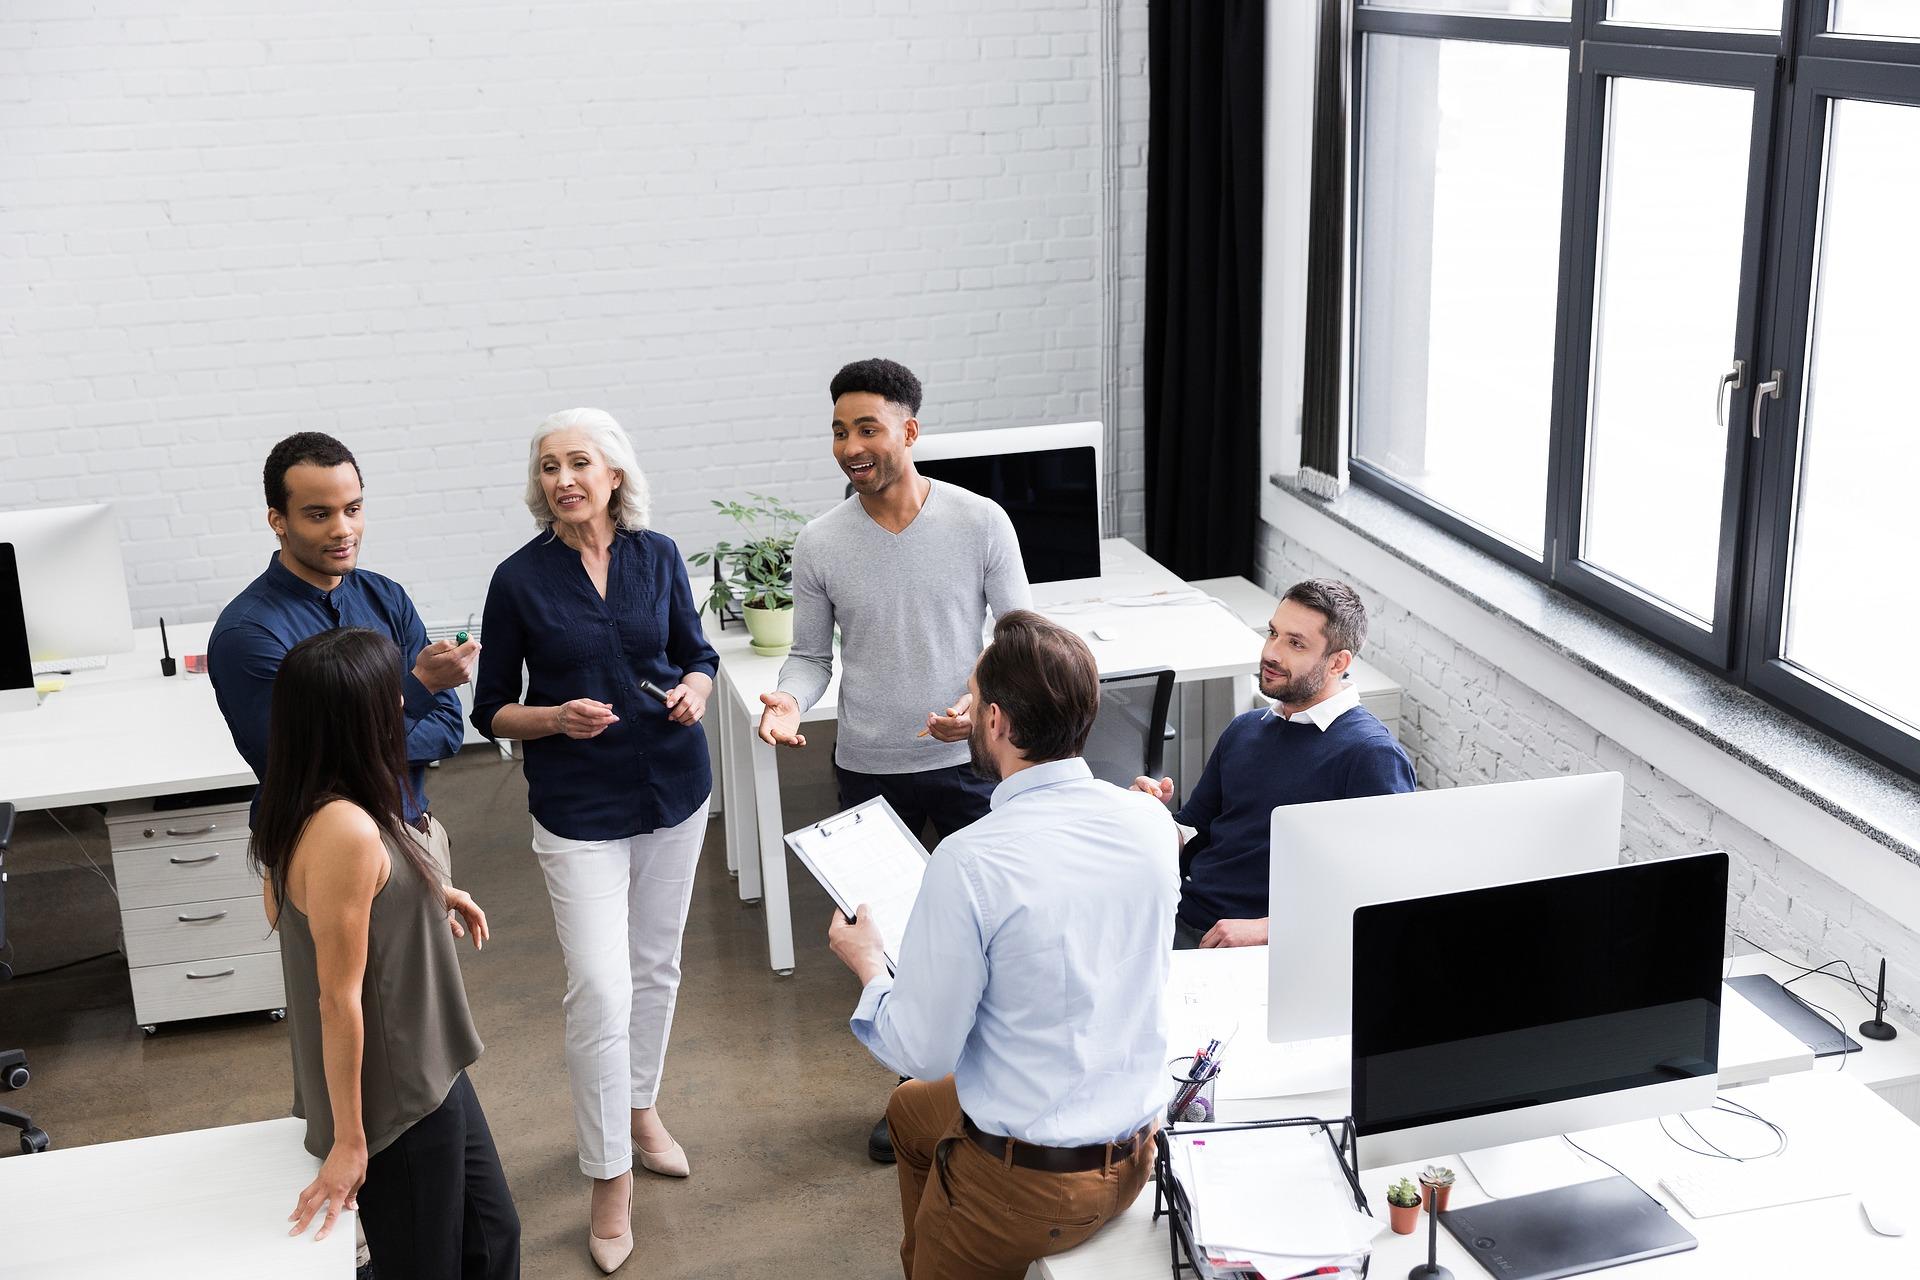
<point x="888" y="379"/>
<point x="307" y="446"/>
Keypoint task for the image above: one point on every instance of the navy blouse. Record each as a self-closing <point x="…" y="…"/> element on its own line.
<point x="644" y="772"/>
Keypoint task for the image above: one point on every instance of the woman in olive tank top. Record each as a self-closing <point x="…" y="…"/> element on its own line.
<point x="376" y="1011"/>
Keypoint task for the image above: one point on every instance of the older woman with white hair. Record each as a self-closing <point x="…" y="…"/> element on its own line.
<point x="598" y="609"/>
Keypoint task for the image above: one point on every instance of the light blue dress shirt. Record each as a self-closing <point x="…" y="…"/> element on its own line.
<point x="1034" y="964"/>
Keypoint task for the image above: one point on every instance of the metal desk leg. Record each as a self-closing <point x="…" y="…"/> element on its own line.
<point x="716" y="724"/>
<point x="773" y="855"/>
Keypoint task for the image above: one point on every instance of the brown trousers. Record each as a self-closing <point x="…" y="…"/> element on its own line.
<point x="981" y="1217"/>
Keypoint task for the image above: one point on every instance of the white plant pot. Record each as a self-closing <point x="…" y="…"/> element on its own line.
<point x="771" y="629"/>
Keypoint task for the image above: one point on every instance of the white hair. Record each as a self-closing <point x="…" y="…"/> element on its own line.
<point x="630" y="501"/>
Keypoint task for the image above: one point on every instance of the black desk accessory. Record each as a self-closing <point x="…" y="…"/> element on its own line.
<point x="166" y="654"/>
<point x="653" y="690"/>
<point x="1877" y="1027"/>
<point x="1170" y="1199"/>
<point x="1787" y="1009"/>
<point x="1431" y="1268"/>
<point x="1567" y="1231"/>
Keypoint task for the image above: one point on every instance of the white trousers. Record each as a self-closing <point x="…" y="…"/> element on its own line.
<point x="619" y="908"/>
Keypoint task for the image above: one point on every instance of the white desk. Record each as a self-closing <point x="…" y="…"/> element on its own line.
<point x="1891" y="1068"/>
<point x="122" y="732"/>
<point x="1214" y="988"/>
<point x="1200" y="641"/>
<point x="210" y="1203"/>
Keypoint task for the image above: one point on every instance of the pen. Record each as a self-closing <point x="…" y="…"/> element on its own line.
<point x="166" y="655"/>
<point x="653" y="690"/>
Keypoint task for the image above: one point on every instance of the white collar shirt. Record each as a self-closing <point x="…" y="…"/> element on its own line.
<point x="1323" y="713"/>
<point x="1035" y="962"/>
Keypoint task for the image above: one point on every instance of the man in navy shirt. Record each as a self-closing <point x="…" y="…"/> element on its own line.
<point x="1316" y="743"/>
<point x="314" y="507"/>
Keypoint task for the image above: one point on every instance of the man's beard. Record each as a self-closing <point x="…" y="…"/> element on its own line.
<point x="977" y="748"/>
<point x="1304" y="688"/>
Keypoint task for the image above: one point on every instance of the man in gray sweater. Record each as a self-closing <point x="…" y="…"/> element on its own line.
<point x="909" y="569"/>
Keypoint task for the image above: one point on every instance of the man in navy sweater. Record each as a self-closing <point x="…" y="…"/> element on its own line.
<point x="1316" y="743"/>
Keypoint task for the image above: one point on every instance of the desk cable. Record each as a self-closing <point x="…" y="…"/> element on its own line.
<point x="1807" y="971"/>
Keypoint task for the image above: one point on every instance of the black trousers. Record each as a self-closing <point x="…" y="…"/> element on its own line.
<point x="950" y="798"/>
<point x="435" y="1205"/>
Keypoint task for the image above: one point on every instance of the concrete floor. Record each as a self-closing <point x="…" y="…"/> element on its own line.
<point x="765" y="1086"/>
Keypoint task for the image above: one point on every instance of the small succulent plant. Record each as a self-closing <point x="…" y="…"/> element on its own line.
<point x="1437" y="1175"/>
<point x="1403" y="1193"/>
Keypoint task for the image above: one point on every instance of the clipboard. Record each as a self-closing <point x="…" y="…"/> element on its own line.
<point x="866" y="854"/>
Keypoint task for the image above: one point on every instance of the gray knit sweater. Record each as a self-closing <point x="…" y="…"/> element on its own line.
<point x="911" y="608"/>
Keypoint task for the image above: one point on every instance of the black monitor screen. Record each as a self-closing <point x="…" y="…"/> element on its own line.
<point x="16" y="662"/>
<point x="1470" y="1003"/>
<point x="1051" y="495"/>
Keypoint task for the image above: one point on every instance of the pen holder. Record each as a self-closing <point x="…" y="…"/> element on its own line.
<point x="1191" y="1101"/>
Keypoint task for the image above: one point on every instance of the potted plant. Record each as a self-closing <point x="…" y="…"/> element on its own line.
<point x="1438" y="1180"/>
<point x="757" y="572"/>
<point x="1403" y="1207"/>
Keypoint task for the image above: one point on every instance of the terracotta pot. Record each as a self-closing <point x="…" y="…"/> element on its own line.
<point x="1403" y="1218"/>
<point x="1436" y="1197"/>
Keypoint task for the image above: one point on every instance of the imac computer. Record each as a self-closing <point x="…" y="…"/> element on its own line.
<point x="1047" y="479"/>
<point x="1522" y="1011"/>
<point x="1331" y="857"/>
<point x="72" y="585"/>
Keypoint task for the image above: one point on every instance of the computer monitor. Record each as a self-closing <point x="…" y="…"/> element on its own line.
<point x="1530" y="1010"/>
<point x="1047" y="479"/>
<point x="17" y="691"/>
<point x="73" y="586"/>
<point x="1331" y="857"/>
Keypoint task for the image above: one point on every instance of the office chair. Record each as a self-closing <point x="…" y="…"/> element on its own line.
<point x="1130" y="734"/>
<point x="13" y="1062"/>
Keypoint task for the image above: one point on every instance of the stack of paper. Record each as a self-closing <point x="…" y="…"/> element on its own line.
<point x="1271" y="1202"/>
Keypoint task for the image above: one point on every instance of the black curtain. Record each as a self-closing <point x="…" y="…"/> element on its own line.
<point x="1321" y="470"/>
<point x="1207" y="67"/>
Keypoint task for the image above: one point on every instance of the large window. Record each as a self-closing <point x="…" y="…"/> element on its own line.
<point x="1633" y="308"/>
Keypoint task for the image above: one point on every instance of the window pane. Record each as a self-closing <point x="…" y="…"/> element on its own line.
<point x="1461" y="165"/>
<point x="1847" y="620"/>
<point x="1876" y="17"/>
<point x="1724" y="15"/>
<point x="1512" y="8"/>
<point x="1672" y="215"/>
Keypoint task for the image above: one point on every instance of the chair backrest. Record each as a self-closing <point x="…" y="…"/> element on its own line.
<point x="1129" y="734"/>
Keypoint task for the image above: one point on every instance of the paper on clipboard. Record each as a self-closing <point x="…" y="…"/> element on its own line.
<point x="866" y="854"/>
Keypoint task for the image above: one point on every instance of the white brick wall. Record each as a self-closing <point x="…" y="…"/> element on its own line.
<point x="422" y="227"/>
<point x="1467" y="722"/>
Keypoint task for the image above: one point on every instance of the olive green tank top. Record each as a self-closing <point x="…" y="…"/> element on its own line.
<point x="419" y="1034"/>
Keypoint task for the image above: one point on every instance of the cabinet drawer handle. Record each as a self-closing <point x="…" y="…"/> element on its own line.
<point x="224" y="973"/>
<point x="218" y="915"/>
<point x="193" y="862"/>
<point x="207" y="830"/>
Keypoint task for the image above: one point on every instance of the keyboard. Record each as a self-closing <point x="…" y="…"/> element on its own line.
<point x="1757" y="1184"/>
<point x="62" y="666"/>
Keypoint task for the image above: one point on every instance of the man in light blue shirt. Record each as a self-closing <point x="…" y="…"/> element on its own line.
<point x="1032" y="970"/>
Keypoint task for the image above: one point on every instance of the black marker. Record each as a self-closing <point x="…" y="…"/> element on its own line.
<point x="649" y="687"/>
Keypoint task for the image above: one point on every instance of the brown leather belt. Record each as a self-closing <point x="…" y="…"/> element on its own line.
<point x="1057" y="1159"/>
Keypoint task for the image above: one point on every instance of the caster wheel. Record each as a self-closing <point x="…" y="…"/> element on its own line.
<point x="784" y="973"/>
<point x="149" y="1028"/>
<point x="749" y="902"/>
<point x="33" y="1141"/>
<point x="276" y="1015"/>
<point x="18" y="1076"/>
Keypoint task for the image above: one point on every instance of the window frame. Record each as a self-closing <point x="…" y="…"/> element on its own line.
<point x="1794" y="74"/>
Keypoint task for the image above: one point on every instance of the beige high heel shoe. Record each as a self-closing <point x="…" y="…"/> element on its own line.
<point x="671" y="1163"/>
<point x="611" y="1255"/>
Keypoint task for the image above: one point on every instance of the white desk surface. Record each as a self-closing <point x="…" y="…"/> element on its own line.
<point x="1817" y="1238"/>
<point x="1199" y="639"/>
<point x="121" y="732"/>
<point x="1230" y="985"/>
<point x="211" y="1203"/>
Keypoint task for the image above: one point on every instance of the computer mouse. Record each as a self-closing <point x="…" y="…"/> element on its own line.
<point x="1105" y="633"/>
<point x="1884" y="1214"/>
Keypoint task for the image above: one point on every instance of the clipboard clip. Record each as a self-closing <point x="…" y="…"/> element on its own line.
<point x="852" y="820"/>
